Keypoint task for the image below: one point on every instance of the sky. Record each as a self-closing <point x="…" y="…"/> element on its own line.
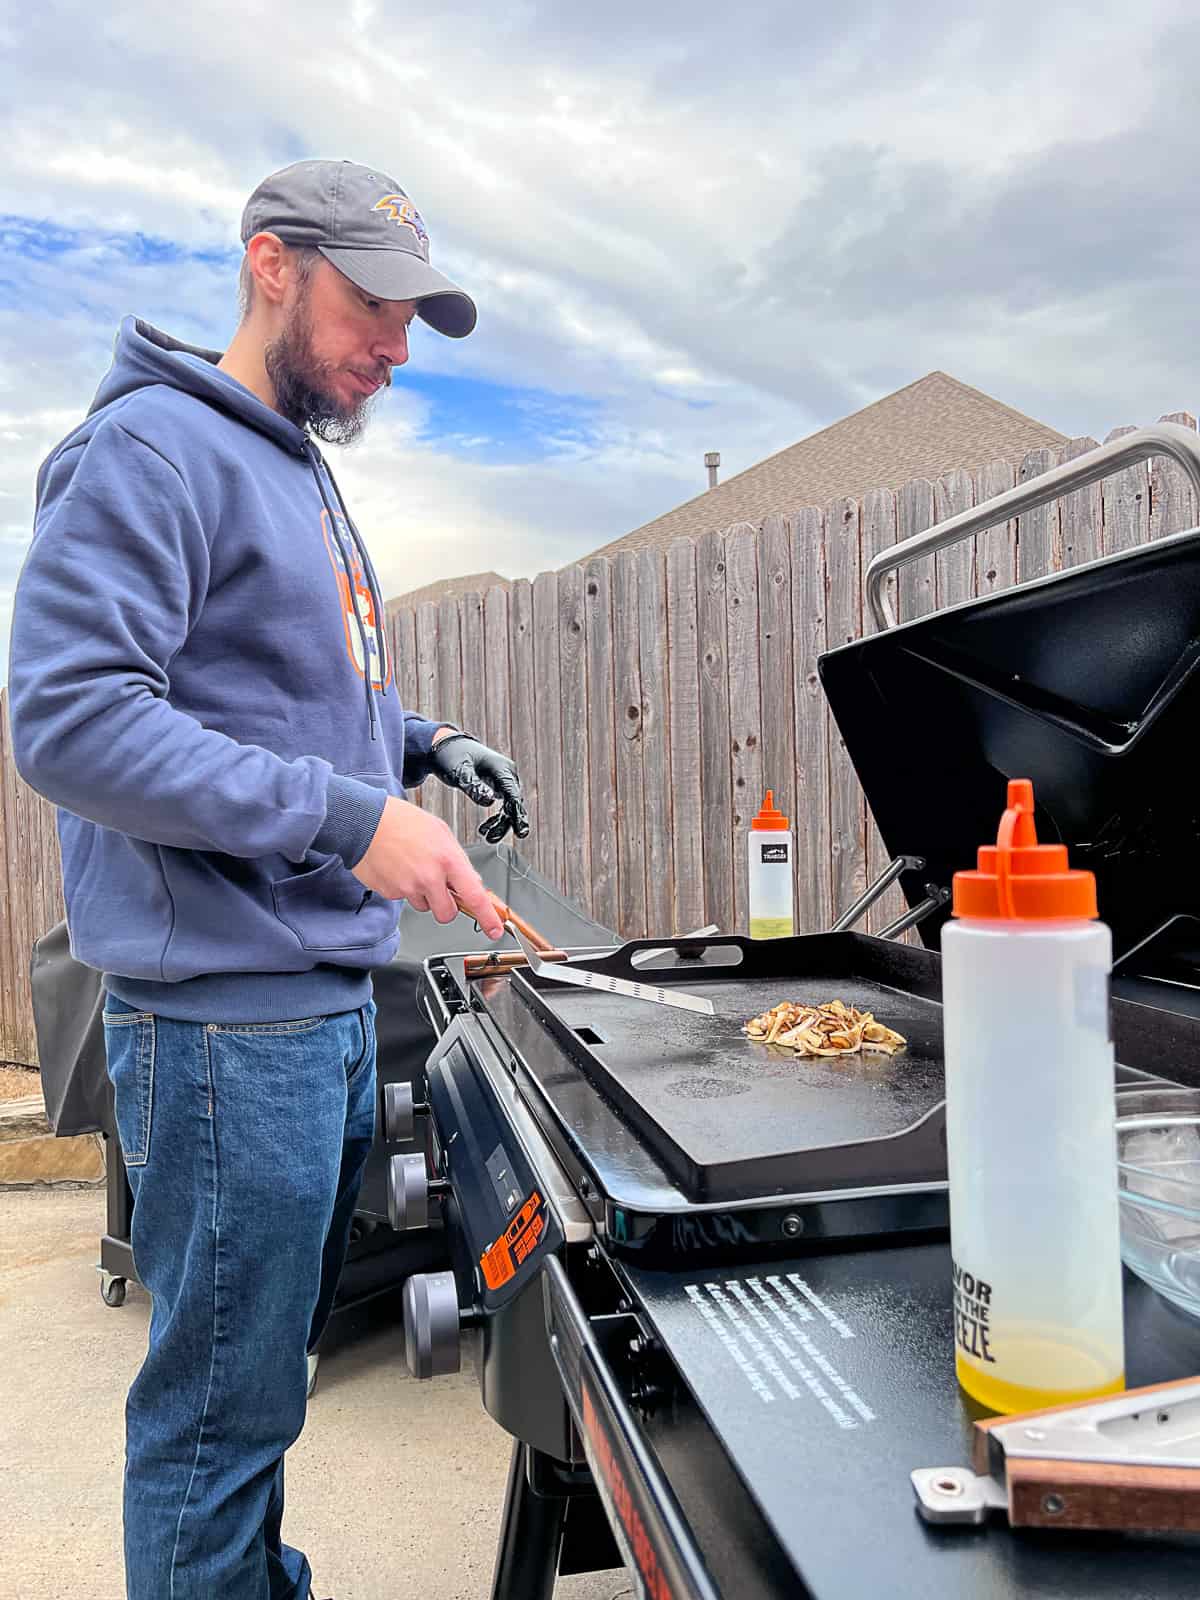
<point x="688" y="227"/>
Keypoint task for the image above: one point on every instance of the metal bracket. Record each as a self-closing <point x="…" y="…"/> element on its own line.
<point x="952" y="1494"/>
<point x="935" y="898"/>
<point x="1162" y="439"/>
<point x="876" y="890"/>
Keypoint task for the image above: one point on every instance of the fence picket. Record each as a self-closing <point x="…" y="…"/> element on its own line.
<point x="473" y="697"/>
<point x="404" y="656"/>
<point x="548" y="727"/>
<point x="995" y="547"/>
<point x="954" y="492"/>
<point x="814" y="883"/>
<point x="1039" y="535"/>
<point x="656" y="741"/>
<point x="448" y="706"/>
<point x="631" y="814"/>
<point x="523" y="746"/>
<point x="1125" y="498"/>
<point x="715" y="781"/>
<point x="1172" y="498"/>
<point x="1081" y="515"/>
<point x="572" y="662"/>
<point x="684" y="674"/>
<point x="847" y="809"/>
<point x="432" y="796"/>
<point x="602" y="748"/>
<point x="745" y="702"/>
<point x="917" y="582"/>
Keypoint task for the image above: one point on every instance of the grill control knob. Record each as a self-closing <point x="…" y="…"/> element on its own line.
<point x="400" y="1111"/>
<point x="409" y="1192"/>
<point x="432" y="1344"/>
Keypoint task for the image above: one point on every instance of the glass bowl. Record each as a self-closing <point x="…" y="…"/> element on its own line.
<point x="1158" y="1165"/>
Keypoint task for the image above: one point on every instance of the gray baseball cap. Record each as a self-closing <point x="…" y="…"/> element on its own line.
<point x="363" y="222"/>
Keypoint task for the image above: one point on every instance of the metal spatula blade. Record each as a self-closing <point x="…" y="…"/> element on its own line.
<point x="561" y="973"/>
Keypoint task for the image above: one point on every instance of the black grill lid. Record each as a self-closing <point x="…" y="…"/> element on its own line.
<point x="1086" y="683"/>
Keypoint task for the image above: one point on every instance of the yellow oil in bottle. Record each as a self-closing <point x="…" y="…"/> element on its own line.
<point x="771" y="928"/>
<point x="1069" y="1377"/>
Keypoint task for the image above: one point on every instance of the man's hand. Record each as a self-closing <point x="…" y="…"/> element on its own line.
<point x="413" y="856"/>
<point x="485" y="776"/>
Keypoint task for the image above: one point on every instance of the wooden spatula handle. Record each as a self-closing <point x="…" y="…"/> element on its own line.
<point x="1102" y="1494"/>
<point x="504" y="961"/>
<point x="506" y="914"/>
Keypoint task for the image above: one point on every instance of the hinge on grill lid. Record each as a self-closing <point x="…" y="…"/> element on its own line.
<point x="935" y="898"/>
<point x="876" y="890"/>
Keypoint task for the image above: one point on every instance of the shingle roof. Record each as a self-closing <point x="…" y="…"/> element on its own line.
<point x="448" y="588"/>
<point x="918" y="432"/>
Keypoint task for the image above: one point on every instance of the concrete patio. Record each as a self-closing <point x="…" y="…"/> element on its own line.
<point x="394" y="1489"/>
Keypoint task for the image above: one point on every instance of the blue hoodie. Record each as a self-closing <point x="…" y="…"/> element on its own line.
<point x="200" y="681"/>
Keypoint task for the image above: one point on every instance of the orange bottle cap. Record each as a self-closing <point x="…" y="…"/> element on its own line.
<point x="1019" y="879"/>
<point x="768" y="819"/>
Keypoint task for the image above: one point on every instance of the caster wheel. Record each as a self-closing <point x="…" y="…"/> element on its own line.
<point x="313" y="1361"/>
<point x="112" y="1290"/>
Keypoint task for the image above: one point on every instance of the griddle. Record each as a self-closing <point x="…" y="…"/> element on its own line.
<point x="729" y="1118"/>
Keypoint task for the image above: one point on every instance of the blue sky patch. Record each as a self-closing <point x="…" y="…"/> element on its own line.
<point x="39" y="239"/>
<point x="499" y="422"/>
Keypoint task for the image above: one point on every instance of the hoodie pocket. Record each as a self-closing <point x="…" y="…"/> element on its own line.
<point x="327" y="908"/>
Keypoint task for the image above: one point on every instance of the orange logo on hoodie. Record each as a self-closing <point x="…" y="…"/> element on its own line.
<point x="356" y="598"/>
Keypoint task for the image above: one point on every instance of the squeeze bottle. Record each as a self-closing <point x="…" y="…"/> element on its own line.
<point x="770" y="879"/>
<point x="1030" y="1111"/>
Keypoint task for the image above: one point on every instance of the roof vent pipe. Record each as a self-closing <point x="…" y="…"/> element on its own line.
<point x="712" y="461"/>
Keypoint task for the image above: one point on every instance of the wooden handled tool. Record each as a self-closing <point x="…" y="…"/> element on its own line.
<point x="1130" y="1462"/>
<point x="495" y="961"/>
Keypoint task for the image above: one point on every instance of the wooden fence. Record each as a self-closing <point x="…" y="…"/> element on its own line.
<point x="650" y="701"/>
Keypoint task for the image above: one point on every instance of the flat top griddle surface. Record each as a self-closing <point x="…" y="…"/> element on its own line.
<point x="716" y="1089"/>
<point x="727" y="1114"/>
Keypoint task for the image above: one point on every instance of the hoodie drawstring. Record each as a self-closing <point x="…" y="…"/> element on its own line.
<point x="315" y="463"/>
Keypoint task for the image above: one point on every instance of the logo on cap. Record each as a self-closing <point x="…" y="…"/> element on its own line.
<point x="401" y="211"/>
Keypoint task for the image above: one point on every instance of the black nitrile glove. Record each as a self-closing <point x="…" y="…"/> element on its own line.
<point x="484" y="776"/>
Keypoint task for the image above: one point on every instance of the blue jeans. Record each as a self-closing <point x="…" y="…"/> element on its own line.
<point x="245" y="1146"/>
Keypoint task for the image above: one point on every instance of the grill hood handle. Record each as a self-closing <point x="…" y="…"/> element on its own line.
<point x="1160" y="439"/>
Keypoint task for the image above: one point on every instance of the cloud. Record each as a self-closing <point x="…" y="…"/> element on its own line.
<point x="684" y="234"/>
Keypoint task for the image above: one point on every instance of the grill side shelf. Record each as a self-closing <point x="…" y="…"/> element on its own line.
<point x="642" y="1509"/>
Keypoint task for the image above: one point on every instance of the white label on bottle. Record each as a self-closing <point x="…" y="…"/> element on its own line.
<point x="774" y="852"/>
<point x="972" y="1315"/>
<point x="1092" y="1009"/>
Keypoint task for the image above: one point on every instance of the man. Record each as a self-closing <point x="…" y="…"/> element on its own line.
<point x="201" y="681"/>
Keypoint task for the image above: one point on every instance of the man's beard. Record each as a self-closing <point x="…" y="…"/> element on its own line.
<point x="301" y="382"/>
